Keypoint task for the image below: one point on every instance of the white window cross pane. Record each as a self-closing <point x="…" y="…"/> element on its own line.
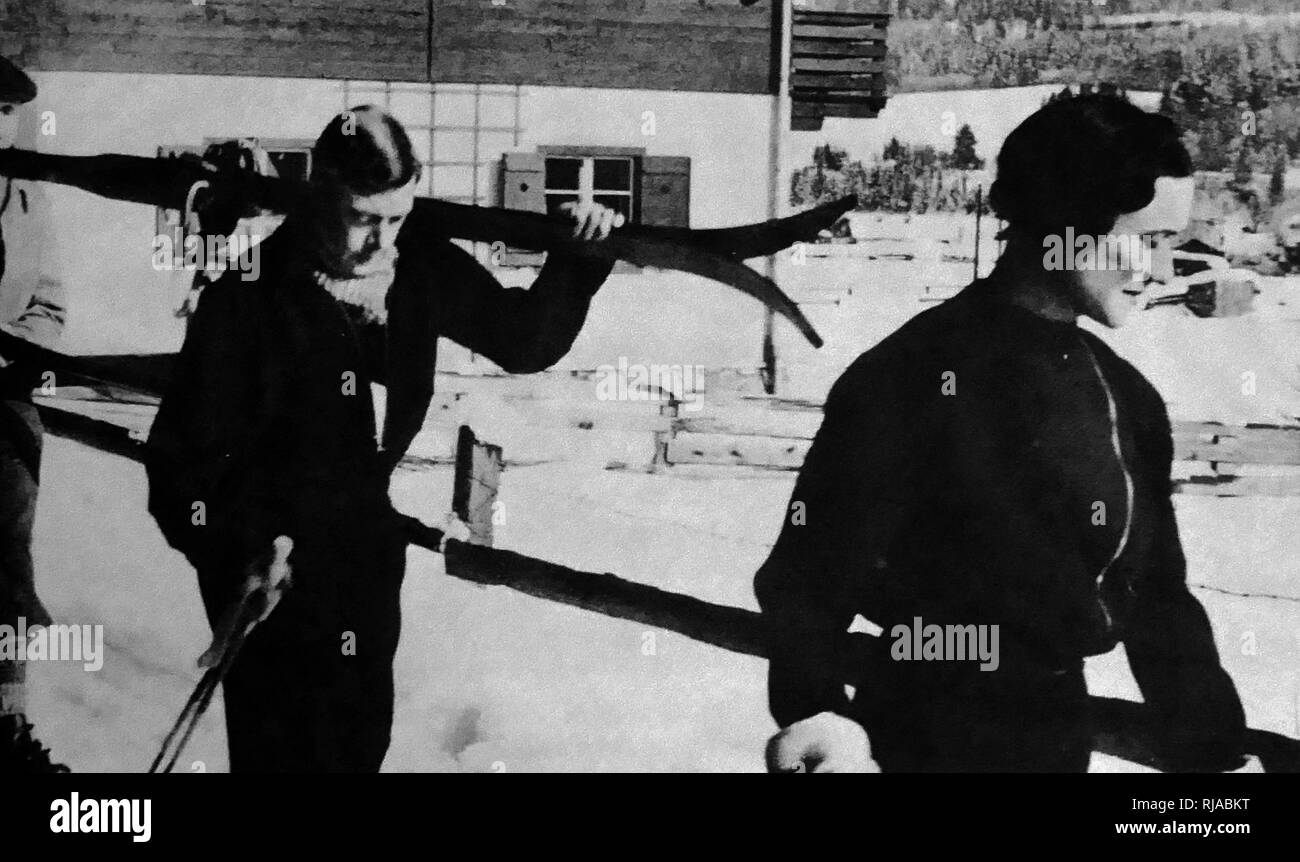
<point x="586" y="180"/>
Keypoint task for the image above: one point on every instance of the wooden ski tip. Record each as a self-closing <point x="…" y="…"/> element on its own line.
<point x="830" y="212"/>
<point x="843" y="205"/>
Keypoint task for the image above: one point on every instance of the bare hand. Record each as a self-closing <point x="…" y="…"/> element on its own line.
<point x="592" y="221"/>
<point x="276" y="579"/>
<point x="265" y="583"/>
<point x="827" y="742"/>
<point x="1252" y="765"/>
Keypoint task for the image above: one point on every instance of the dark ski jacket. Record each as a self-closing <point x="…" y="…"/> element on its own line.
<point x="268" y="426"/>
<point x="984" y="465"/>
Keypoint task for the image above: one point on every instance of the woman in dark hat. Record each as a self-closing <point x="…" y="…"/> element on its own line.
<point x="993" y="467"/>
<point x="31" y="308"/>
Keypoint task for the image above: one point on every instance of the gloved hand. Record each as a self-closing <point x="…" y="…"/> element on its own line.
<point x="826" y="742"/>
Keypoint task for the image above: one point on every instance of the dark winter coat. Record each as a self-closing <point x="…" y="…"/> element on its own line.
<point x="984" y="465"/>
<point x="260" y="425"/>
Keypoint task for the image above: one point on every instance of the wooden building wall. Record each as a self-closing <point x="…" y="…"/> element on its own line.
<point x="706" y="45"/>
<point x="382" y="39"/>
<point x="709" y="45"/>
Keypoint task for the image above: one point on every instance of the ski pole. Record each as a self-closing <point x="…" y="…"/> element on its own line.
<point x="255" y="605"/>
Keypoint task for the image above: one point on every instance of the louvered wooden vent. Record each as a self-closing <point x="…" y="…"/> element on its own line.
<point x="837" y="62"/>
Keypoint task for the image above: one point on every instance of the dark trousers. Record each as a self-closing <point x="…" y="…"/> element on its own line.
<point x="953" y="717"/>
<point x="20" y="452"/>
<point x="312" y="688"/>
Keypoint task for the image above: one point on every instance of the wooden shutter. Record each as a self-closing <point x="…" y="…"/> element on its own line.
<point x="665" y="191"/>
<point x="523" y="187"/>
<point x="837" y="61"/>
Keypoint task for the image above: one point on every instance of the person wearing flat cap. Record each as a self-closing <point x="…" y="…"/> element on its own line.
<point x="31" y="308"/>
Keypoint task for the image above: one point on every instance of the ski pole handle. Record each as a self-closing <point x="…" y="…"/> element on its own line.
<point x="259" y="594"/>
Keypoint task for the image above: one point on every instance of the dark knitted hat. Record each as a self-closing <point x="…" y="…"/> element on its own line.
<point x="15" y="86"/>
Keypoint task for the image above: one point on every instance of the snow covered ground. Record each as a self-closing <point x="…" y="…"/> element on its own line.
<point x="492" y="680"/>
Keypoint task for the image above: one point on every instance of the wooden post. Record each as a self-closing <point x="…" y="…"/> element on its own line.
<point x="474" y="489"/>
<point x="663" y="439"/>
<point x="768" y="373"/>
<point x="780" y="123"/>
<point x="979" y="209"/>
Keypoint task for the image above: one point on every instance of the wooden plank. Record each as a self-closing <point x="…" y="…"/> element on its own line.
<point x="856" y="7"/>
<point x="386" y="39"/>
<point x="769" y="453"/>
<point x="816" y="79"/>
<point x="641" y="415"/>
<point x="822" y="48"/>
<point x="847" y="64"/>
<point x="1236" y="444"/>
<point x="806" y="94"/>
<point x="668" y="44"/>
<point x="841" y="18"/>
<point x="664" y="45"/>
<point x="657" y="62"/>
<point x="474" y="488"/>
<point x="821" y="31"/>
<point x="610" y="13"/>
<point x="228" y="64"/>
<point x="839" y="109"/>
<point x="771" y="424"/>
<point x="780" y="402"/>
<point x="1240" y="486"/>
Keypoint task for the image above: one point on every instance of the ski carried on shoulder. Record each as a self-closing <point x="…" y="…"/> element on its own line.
<point x="221" y="194"/>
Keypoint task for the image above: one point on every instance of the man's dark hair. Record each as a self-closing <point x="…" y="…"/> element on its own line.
<point x="365" y="150"/>
<point x="1080" y="162"/>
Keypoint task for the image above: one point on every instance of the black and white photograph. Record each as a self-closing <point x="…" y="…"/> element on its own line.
<point x="651" y="386"/>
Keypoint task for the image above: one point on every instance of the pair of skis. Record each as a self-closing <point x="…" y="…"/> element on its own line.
<point x="221" y="193"/>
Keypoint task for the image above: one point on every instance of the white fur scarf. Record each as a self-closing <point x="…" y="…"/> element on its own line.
<point x="368" y="293"/>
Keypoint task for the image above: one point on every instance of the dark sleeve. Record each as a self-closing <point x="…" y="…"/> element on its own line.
<point x="1197" y="713"/>
<point x="860" y="482"/>
<point x="523" y="331"/>
<point x="210" y="491"/>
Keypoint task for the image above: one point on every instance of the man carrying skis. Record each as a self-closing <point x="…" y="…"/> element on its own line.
<point x="268" y="430"/>
<point x="31" y="308"/>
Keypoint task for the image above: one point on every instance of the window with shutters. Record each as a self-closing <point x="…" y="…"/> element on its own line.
<point x="653" y="190"/>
